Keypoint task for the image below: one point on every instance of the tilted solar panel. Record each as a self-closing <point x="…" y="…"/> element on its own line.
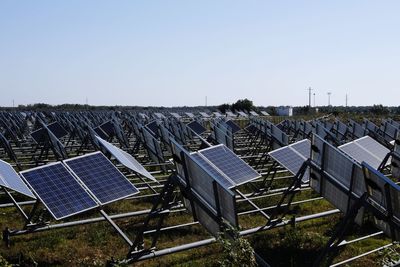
<point x="102" y="178"/>
<point x="303" y="147"/>
<point x="360" y="154"/>
<point x="292" y="157"/>
<point x="59" y="190"/>
<point x="125" y="159"/>
<point x="10" y="179"/>
<point x="366" y="149"/>
<point x="235" y="128"/>
<point x="373" y="146"/>
<point x="196" y="127"/>
<point x="230" y="164"/>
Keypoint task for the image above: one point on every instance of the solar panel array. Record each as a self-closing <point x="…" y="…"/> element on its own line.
<point x="384" y="194"/>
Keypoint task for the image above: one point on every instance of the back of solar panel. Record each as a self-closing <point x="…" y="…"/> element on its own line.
<point x="340" y="176"/>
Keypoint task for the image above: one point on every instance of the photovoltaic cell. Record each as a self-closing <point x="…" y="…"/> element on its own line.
<point x="58" y="190"/>
<point x="10" y="179"/>
<point x="102" y="178"/>
<point x="125" y="159"/>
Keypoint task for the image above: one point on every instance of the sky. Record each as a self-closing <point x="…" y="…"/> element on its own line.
<point x="178" y="53"/>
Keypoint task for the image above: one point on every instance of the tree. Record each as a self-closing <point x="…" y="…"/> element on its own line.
<point x="243" y="104"/>
<point x="224" y="107"/>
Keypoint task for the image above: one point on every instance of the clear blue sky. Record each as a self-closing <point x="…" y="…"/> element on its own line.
<point x="175" y="53"/>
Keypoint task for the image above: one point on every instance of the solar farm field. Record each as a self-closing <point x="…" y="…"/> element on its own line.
<point x="198" y="187"/>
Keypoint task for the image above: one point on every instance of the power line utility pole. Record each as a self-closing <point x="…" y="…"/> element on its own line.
<point x="314" y="99"/>
<point x="309" y="96"/>
<point x="329" y="98"/>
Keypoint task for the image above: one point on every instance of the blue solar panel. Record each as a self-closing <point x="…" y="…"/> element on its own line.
<point x="230" y="164"/>
<point x="217" y="175"/>
<point x="235" y="128"/>
<point x="196" y="127"/>
<point x="59" y="190"/>
<point x="101" y="177"/>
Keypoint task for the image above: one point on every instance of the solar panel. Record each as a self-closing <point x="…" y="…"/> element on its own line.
<point x="102" y="178"/>
<point x="205" y="115"/>
<point x="235" y="128"/>
<point x="303" y="147"/>
<point x="59" y="190"/>
<point x="217" y="114"/>
<point x="339" y="171"/>
<point x="241" y="113"/>
<point x="373" y="146"/>
<point x="230" y="114"/>
<point x="100" y="133"/>
<point x="57" y="129"/>
<point x="230" y="164"/>
<point x="176" y="115"/>
<point x="366" y="149"/>
<point x="126" y="159"/>
<point x="40" y="135"/>
<point x="202" y="178"/>
<point x="384" y="194"/>
<point x="10" y="179"/>
<point x="196" y="127"/>
<point x="190" y="115"/>
<point x="360" y="154"/>
<point x="159" y="115"/>
<point x="108" y="128"/>
<point x="253" y="113"/>
<point x="293" y="157"/>
<point x="217" y="174"/>
<point x="153" y="126"/>
<point x="264" y="113"/>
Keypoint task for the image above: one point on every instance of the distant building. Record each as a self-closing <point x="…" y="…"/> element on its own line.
<point x="284" y="111"/>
